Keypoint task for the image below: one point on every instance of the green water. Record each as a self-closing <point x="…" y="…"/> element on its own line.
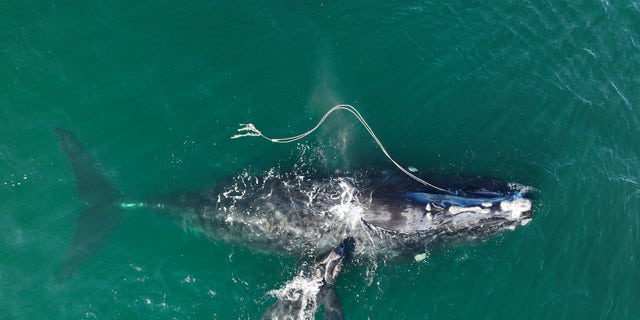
<point x="542" y="93"/>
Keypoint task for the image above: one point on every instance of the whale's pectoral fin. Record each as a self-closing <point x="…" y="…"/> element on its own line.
<point x="100" y="215"/>
<point x="331" y="305"/>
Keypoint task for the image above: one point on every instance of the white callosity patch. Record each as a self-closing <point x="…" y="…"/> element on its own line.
<point x="456" y="210"/>
<point x="516" y="207"/>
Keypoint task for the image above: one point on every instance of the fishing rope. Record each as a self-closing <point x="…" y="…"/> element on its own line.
<point x="249" y="130"/>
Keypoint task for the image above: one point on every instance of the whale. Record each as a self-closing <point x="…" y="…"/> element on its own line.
<point x="301" y="296"/>
<point x="386" y="213"/>
<point x="307" y="213"/>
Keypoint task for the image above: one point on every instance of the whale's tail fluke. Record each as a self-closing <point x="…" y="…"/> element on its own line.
<point x="99" y="215"/>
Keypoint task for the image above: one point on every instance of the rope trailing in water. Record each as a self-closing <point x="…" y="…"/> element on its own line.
<point x="249" y="130"/>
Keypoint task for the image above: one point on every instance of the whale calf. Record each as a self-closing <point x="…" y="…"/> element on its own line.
<point x="300" y="297"/>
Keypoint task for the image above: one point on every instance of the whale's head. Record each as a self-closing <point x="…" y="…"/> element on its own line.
<point x="329" y="267"/>
<point x="459" y="217"/>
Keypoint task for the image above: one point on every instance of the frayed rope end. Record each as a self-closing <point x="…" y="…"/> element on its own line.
<point x="252" y="131"/>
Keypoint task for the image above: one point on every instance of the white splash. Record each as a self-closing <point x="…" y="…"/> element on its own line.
<point x="301" y="290"/>
<point x="349" y="210"/>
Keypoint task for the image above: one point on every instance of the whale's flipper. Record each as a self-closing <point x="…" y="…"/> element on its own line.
<point x="99" y="215"/>
<point x="300" y="297"/>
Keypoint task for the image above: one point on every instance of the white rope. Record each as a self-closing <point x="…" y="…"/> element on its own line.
<point x="249" y="130"/>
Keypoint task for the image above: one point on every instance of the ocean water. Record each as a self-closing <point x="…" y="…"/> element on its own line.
<point x="542" y="93"/>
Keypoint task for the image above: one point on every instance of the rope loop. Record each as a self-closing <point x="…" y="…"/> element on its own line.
<point x="249" y="130"/>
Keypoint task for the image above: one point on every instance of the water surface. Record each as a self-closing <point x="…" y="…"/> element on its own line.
<point x="536" y="92"/>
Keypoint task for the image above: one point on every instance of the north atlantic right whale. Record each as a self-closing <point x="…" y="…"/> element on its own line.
<point x="388" y="213"/>
<point x="385" y="212"/>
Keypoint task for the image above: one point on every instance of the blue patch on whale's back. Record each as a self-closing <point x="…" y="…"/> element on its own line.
<point x="447" y="200"/>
